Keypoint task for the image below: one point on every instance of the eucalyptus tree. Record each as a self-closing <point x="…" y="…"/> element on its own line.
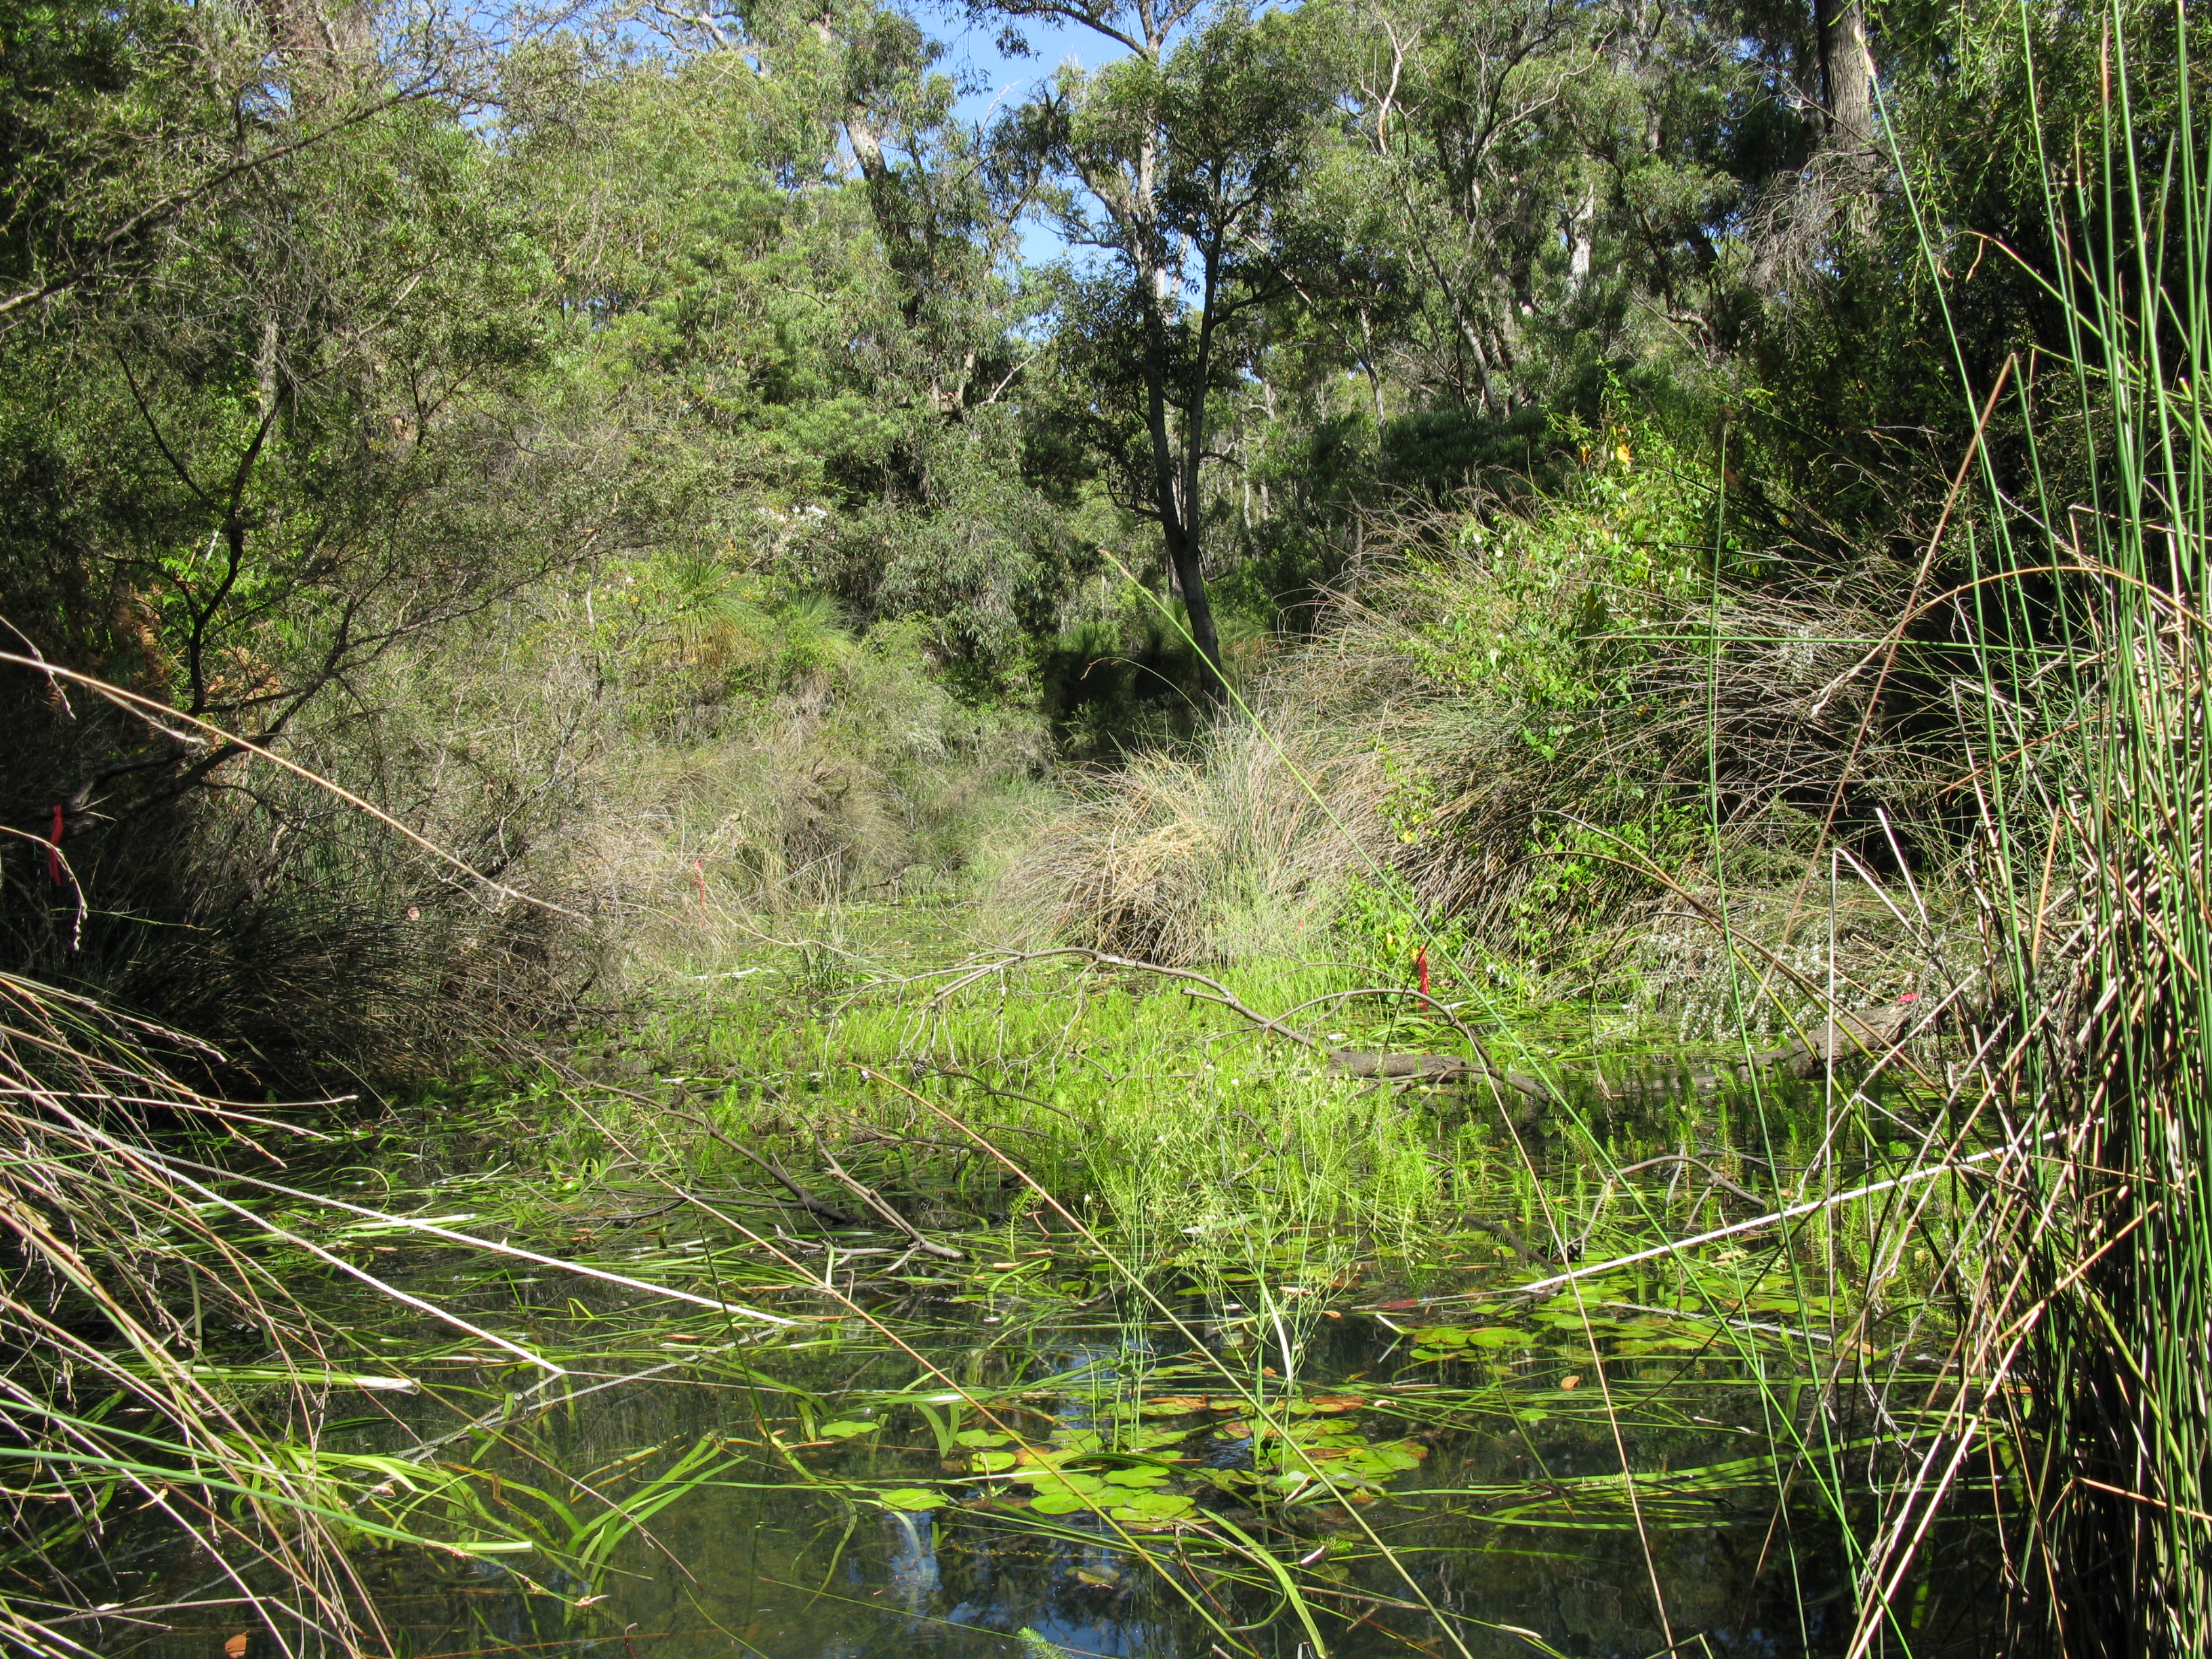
<point x="1535" y="160"/>
<point x="1182" y="177"/>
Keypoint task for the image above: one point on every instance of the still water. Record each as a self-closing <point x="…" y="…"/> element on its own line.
<point x="1021" y="1454"/>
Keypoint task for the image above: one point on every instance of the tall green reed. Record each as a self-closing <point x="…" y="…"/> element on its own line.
<point x="2117" y="978"/>
<point x="120" y="1296"/>
<point x="2090" y="1292"/>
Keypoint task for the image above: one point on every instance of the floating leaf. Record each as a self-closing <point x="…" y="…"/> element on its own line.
<point x="1058" y="1503"/>
<point x="1439" y="1336"/>
<point x="1152" y="1506"/>
<point x="845" y="1430"/>
<point x="995" y="1462"/>
<point x="911" y="1498"/>
<point x="976" y="1437"/>
<point x="1137" y="1477"/>
<point x="1052" y="1480"/>
<point x="1387" y="1460"/>
<point x="1181" y="1405"/>
<point x="1146" y="1439"/>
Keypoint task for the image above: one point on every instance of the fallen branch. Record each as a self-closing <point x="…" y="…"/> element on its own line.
<point x="875" y="1200"/>
<point x="1434" y="1068"/>
<point x="806" y="1200"/>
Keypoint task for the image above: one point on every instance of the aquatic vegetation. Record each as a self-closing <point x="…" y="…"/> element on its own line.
<point x="1188" y="1298"/>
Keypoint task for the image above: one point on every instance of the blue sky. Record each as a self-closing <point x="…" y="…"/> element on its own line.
<point x="972" y="52"/>
<point x="972" y="55"/>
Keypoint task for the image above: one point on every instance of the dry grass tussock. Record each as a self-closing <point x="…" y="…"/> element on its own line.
<point x="128" y="1413"/>
<point x="863" y="779"/>
<point x="1536" y="767"/>
<point x="1184" y="856"/>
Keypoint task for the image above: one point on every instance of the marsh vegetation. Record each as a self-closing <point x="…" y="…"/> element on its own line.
<point x="1377" y="829"/>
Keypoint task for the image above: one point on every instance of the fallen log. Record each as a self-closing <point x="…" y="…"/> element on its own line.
<point x="1843" y="1039"/>
<point x="1434" y="1068"/>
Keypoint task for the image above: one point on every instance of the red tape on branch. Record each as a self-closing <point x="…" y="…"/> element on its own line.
<point x="1421" y="965"/>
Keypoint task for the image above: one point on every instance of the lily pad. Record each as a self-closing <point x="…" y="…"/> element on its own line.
<point x="1152" y="1506"/>
<point x="1057" y="1482"/>
<point x="1146" y="1439"/>
<point x="1495" y="1336"/>
<point x="846" y="1430"/>
<point x="911" y="1498"/>
<point x="981" y="1437"/>
<point x="1391" y="1459"/>
<point x="1137" y="1477"/>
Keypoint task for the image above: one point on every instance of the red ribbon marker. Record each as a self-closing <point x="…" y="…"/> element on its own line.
<point x="54" y="849"/>
<point x="1421" y="963"/>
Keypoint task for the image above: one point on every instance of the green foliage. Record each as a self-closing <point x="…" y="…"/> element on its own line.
<point x="1379" y="922"/>
<point x="1534" y="606"/>
<point x="643" y="469"/>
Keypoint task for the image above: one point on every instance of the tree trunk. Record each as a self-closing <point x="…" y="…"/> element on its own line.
<point x="1178" y="513"/>
<point x="1846" y="71"/>
<point x="1175" y="482"/>
<point x="1583" y="244"/>
<point x="1184" y="553"/>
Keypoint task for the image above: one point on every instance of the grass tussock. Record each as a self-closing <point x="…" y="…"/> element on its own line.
<point x="1553" y="782"/>
<point x="126" y="1401"/>
<point x="1224" y="852"/>
<point x="856" y="775"/>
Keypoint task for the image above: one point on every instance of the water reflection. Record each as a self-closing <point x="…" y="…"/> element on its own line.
<point x="1608" y="1473"/>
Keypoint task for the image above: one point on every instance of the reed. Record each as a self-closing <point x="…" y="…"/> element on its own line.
<point x="2087" y="1286"/>
<point x="122" y="1298"/>
<point x="2097" y="837"/>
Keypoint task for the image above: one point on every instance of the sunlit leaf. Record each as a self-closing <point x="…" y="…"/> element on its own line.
<point x="911" y="1498"/>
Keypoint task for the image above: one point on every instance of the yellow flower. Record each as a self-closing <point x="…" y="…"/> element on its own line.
<point x="1623" y="455"/>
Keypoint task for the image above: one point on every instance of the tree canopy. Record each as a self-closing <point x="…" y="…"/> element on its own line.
<point x="330" y="334"/>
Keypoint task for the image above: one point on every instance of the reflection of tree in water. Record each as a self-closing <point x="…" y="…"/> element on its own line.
<point x="912" y="1557"/>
